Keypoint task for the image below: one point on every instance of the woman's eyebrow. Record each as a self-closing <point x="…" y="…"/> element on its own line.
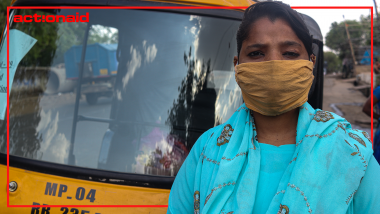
<point x="284" y="43"/>
<point x="257" y="45"/>
<point x="290" y="43"/>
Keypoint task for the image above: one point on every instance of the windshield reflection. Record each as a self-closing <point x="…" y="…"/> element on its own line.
<point x="149" y="90"/>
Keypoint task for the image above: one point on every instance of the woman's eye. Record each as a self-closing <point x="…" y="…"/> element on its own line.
<point x="292" y="54"/>
<point x="256" y="53"/>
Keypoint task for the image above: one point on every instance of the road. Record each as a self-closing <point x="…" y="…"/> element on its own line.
<point x="340" y="99"/>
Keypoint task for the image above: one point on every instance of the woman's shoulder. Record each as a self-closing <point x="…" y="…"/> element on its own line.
<point x="333" y="130"/>
<point x="212" y="132"/>
<point x="340" y="124"/>
<point x="206" y="136"/>
<point x="230" y="122"/>
<point x="221" y="131"/>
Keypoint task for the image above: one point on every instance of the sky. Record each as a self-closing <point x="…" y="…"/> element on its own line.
<point x="324" y="17"/>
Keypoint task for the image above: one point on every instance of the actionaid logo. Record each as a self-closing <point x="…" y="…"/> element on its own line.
<point x="51" y="18"/>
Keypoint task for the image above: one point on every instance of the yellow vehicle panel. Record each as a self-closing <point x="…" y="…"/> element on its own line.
<point x="223" y="3"/>
<point x="43" y="189"/>
<point x="203" y="2"/>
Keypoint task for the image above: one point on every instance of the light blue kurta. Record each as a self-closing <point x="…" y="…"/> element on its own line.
<point x="223" y="174"/>
<point x="274" y="161"/>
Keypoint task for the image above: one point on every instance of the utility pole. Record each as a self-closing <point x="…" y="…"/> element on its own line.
<point x="349" y="41"/>
<point x="377" y="15"/>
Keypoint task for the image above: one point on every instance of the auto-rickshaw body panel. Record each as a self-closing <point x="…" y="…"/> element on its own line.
<point x="224" y="3"/>
<point x="212" y="2"/>
<point x="35" y="188"/>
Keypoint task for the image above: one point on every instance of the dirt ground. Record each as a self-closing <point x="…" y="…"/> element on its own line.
<point x="362" y="69"/>
<point x="347" y="102"/>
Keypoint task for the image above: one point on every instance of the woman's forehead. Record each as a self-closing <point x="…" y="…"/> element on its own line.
<point x="265" y="31"/>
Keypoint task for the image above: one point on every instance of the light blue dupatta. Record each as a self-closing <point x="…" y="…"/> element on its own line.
<point x="328" y="164"/>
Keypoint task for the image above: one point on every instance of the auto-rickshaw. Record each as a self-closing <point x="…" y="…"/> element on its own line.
<point x="174" y="79"/>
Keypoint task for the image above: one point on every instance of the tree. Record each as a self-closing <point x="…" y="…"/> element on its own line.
<point x="3" y="13"/>
<point x="25" y="139"/>
<point x="102" y="34"/>
<point x="337" y="39"/>
<point x="42" y="53"/>
<point x="366" y="22"/>
<point x="69" y="34"/>
<point x="360" y="33"/>
<point x="54" y="39"/>
<point x="193" y="95"/>
<point x="334" y="64"/>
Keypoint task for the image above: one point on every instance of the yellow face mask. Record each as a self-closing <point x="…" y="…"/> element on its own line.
<point x="274" y="87"/>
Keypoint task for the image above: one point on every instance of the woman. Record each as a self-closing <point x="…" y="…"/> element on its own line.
<point x="276" y="154"/>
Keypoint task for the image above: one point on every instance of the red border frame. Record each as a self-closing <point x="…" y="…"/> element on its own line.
<point x="180" y="7"/>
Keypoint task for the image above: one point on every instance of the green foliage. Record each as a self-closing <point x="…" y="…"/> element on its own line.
<point x="360" y="34"/>
<point x="102" y="34"/>
<point x="337" y="40"/>
<point x="3" y="13"/>
<point x="54" y="39"/>
<point x="334" y="64"/>
<point x="366" y="22"/>
<point x="45" y="33"/>
<point x="69" y="34"/>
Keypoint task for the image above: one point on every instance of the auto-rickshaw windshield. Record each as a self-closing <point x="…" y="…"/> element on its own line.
<point x="123" y="90"/>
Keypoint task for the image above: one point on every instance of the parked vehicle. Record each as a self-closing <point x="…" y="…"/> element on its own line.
<point x="99" y="72"/>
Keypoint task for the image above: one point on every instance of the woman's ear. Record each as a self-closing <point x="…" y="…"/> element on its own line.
<point x="235" y="60"/>
<point x="313" y="59"/>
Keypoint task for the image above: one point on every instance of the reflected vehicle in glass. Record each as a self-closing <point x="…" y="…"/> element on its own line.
<point x="121" y="99"/>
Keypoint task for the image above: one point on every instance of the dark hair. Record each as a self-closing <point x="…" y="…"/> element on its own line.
<point x="273" y="11"/>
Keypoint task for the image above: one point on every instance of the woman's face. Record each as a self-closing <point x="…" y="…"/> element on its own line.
<point x="269" y="40"/>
